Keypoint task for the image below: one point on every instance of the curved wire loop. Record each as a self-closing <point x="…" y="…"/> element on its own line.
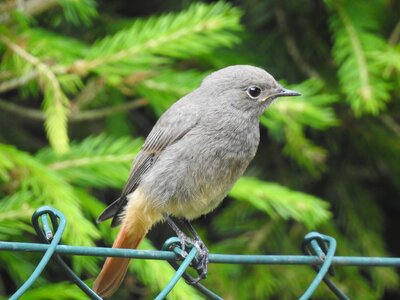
<point x="324" y="248"/>
<point x="58" y="228"/>
<point x="45" y="236"/>
<point x="51" y="234"/>
<point x="178" y="274"/>
<point x="174" y="244"/>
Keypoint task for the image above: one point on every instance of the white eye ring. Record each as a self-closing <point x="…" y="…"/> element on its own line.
<point x="253" y="91"/>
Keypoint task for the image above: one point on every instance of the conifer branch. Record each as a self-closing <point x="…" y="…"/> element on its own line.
<point x="75" y="116"/>
<point x="365" y="91"/>
<point x="83" y="67"/>
<point x="170" y="35"/>
<point x="55" y="102"/>
<point x="22" y="53"/>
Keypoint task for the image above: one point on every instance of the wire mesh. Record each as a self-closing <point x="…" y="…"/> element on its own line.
<point x="319" y="252"/>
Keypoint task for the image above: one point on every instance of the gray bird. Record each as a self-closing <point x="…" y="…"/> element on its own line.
<point x="190" y="160"/>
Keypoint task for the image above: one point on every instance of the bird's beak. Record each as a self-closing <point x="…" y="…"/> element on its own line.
<point x="282" y="93"/>
<point x="285" y="92"/>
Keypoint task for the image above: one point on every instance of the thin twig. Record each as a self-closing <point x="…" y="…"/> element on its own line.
<point x="18" y="81"/>
<point x="38" y="115"/>
<point x="29" y="113"/>
<point x="87" y="94"/>
<point x="107" y="111"/>
<point x="391" y="124"/>
<point x="293" y="50"/>
<point x="42" y="69"/>
<point x="24" y="79"/>
<point x="93" y="160"/>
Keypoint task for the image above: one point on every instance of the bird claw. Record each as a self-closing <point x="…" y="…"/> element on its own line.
<point x="202" y="261"/>
<point x="185" y="240"/>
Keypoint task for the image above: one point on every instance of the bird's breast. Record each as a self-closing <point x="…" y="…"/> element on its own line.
<point x="193" y="175"/>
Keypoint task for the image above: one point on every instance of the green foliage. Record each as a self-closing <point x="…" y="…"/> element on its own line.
<point x="360" y="78"/>
<point x="162" y="89"/>
<point x="288" y="118"/>
<point x="55" y="102"/>
<point x="194" y="32"/>
<point x="70" y="97"/>
<point x="39" y="185"/>
<point x="13" y="212"/>
<point x="280" y="202"/>
<point x="61" y="290"/>
<point x="109" y="158"/>
<point x="78" y="12"/>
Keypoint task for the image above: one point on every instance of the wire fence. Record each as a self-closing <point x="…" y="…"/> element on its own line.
<point x="319" y="252"/>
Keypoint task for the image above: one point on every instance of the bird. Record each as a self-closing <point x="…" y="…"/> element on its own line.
<point x="190" y="160"/>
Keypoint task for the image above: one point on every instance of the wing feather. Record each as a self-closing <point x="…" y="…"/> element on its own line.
<point x="170" y="128"/>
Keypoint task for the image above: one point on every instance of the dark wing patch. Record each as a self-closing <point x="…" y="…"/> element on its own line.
<point x="109" y="212"/>
<point x="165" y="133"/>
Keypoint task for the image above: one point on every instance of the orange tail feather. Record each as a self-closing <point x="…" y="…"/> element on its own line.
<point x="114" y="269"/>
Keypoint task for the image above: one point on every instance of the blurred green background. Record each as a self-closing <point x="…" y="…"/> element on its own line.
<point x="83" y="82"/>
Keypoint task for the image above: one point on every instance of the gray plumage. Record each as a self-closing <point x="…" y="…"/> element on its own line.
<point x="202" y="144"/>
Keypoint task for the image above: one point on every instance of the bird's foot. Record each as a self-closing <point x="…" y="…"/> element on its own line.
<point x="202" y="262"/>
<point x="185" y="240"/>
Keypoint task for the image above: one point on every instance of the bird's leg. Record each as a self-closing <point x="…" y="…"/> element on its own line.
<point x="195" y="241"/>
<point x="203" y="251"/>
<point x="181" y="235"/>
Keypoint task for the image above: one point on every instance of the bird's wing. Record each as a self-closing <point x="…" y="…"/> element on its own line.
<point x="170" y="128"/>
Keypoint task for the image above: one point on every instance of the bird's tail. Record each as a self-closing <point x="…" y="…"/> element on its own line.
<point x="114" y="269"/>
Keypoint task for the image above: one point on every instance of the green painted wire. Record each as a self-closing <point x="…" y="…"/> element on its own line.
<point x="45" y="236"/>
<point x="321" y="257"/>
<point x="313" y="239"/>
<point x="87" y="290"/>
<point x="328" y="258"/>
<point x="354" y="261"/>
<point x="201" y="288"/>
<point x="49" y="252"/>
<point x="178" y="274"/>
<point x="175" y="244"/>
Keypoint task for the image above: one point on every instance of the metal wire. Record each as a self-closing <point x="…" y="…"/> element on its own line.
<point x="49" y="251"/>
<point x="174" y="244"/>
<point x="319" y="250"/>
<point x="178" y="274"/>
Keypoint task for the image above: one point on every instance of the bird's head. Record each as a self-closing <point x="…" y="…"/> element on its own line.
<point x="245" y="87"/>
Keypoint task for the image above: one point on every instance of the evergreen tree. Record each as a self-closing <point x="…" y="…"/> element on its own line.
<point x="81" y="84"/>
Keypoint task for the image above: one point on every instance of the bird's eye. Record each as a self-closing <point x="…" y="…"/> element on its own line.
<point x="254" y="91"/>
